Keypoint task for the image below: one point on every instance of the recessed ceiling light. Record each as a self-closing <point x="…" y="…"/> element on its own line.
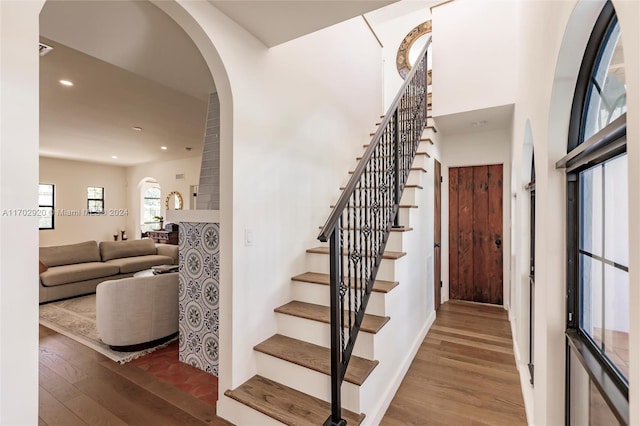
<point x="137" y="128"/>
<point x="115" y="157"/>
<point x="66" y="83"/>
<point x="164" y="148"/>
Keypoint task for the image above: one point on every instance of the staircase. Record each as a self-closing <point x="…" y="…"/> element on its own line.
<point x="294" y="381"/>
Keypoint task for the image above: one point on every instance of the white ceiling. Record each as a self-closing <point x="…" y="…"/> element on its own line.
<point x="276" y="22"/>
<point x="133" y="35"/>
<point x="480" y="120"/>
<point x="94" y="119"/>
<point x="132" y="65"/>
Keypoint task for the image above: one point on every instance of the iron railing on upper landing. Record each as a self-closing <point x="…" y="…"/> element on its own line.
<point x="360" y="223"/>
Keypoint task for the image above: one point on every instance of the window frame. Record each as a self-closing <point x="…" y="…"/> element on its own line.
<point x="46" y="206"/>
<point x="89" y="200"/>
<point x="144" y="197"/>
<point x="606" y="144"/>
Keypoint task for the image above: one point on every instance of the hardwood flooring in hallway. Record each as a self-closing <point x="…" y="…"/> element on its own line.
<point x="464" y="372"/>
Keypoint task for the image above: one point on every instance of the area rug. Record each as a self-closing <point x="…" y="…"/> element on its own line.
<point x="76" y="319"/>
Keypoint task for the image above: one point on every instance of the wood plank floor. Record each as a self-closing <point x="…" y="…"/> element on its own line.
<point x="464" y="372"/>
<point x="79" y="386"/>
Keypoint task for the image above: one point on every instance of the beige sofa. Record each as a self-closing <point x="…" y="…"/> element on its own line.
<point x="76" y="269"/>
<point x="136" y="313"/>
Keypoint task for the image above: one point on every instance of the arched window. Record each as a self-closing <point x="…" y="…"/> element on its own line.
<point x="597" y="234"/>
<point x="150" y="206"/>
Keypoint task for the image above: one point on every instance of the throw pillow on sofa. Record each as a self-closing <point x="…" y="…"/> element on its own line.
<point x="118" y="249"/>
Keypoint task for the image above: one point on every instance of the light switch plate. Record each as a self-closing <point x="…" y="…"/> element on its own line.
<point x="248" y="237"/>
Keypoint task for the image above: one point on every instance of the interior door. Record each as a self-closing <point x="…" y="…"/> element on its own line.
<point x="475" y="233"/>
<point x="437" y="262"/>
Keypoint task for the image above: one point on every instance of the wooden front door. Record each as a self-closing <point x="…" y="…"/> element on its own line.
<point x="436" y="236"/>
<point x="475" y="233"/>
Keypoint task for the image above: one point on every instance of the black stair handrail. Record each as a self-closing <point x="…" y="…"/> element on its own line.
<point x="360" y="223"/>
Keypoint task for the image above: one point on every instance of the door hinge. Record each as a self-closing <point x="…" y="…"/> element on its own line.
<point x="440" y="284"/>
<point x="441" y="179"/>
<point x="570" y="316"/>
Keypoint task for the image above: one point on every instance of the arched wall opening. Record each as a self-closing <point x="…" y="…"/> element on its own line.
<point x="19" y="116"/>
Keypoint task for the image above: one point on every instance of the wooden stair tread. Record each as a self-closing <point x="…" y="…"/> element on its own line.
<point x="400" y="229"/>
<point x="417" y="153"/>
<point x="432" y="128"/>
<point x="342" y="188"/>
<point x="285" y="404"/>
<point x="314" y="357"/>
<point x="386" y="255"/>
<point x="402" y="206"/>
<point x="366" y="145"/>
<point x="370" y="323"/>
<point x="379" y="286"/>
<point x="413" y="169"/>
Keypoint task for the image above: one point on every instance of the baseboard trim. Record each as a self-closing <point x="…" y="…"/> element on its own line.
<point x="375" y="417"/>
<point x="240" y="414"/>
<point x="523" y="372"/>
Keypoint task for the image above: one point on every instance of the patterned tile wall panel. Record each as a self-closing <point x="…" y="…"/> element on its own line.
<point x="199" y="286"/>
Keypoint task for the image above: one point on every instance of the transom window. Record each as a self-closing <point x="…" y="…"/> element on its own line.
<point x="607" y="95"/>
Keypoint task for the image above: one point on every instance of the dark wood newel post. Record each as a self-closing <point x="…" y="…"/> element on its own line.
<point x="336" y="347"/>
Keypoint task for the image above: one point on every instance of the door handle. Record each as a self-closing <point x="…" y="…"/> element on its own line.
<point x="436" y="245"/>
<point x="498" y="242"/>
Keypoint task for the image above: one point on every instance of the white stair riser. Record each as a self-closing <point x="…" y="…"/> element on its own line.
<point x="354" y="218"/>
<point x="319" y="294"/>
<point x="395" y="242"/>
<point x="409" y="197"/>
<point x="241" y="414"/>
<point x="429" y="132"/>
<point x="319" y="334"/>
<point x="306" y="380"/>
<point x="320" y="263"/>
<point x="416" y="178"/>
<point x="420" y="160"/>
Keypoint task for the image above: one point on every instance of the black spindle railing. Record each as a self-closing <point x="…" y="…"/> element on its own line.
<point x="360" y="223"/>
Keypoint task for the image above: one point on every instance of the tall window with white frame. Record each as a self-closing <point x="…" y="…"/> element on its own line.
<point x="597" y="234"/>
<point x="46" y="201"/>
<point x="151" y="207"/>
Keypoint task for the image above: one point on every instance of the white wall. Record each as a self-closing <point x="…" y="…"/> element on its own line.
<point x="473" y="68"/>
<point x="18" y="234"/>
<point x="164" y="173"/>
<point x="475" y="149"/>
<point x="71" y="179"/>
